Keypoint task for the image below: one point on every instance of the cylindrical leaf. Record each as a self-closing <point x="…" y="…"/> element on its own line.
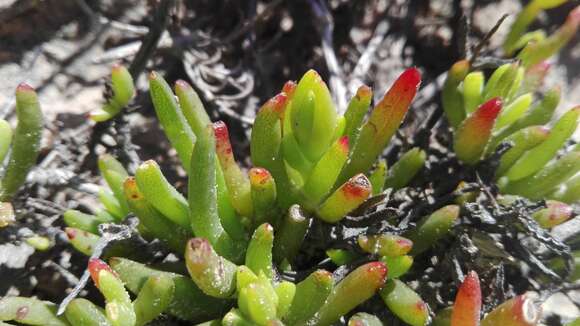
<point x="325" y="172"/>
<point x="536" y="158"/>
<point x="255" y="303"/>
<point x="405" y="169"/>
<point x="432" y="228"/>
<point x="467" y="306"/>
<point x="501" y="84"/>
<point x="378" y="176"/>
<point x="357" y="287"/>
<point x="29" y="311"/>
<point x="82" y="241"/>
<point x="345" y="199"/>
<point x="473" y="134"/>
<point x="472" y="91"/>
<point x="237" y="182"/>
<point x="451" y="97"/>
<point x="385" y="244"/>
<point x="547" y="179"/>
<point x="313" y="115"/>
<point x="81" y="311"/>
<point x="397" y="265"/>
<point x="154" y="297"/>
<point x="291" y="234"/>
<point x="554" y="214"/>
<point x="518" y="311"/>
<point x="189" y="302"/>
<point x="569" y="192"/>
<point x="521" y="142"/>
<point x="5" y="138"/>
<point x="191" y="107"/>
<point x="263" y="195"/>
<point x="356" y="111"/>
<point x="161" y="194"/>
<point x="215" y="275"/>
<point x="285" y="292"/>
<point x="114" y="174"/>
<point x="405" y="303"/>
<point x="536" y="52"/>
<point x="259" y="253"/>
<point x="514" y="111"/>
<point x="205" y="220"/>
<point x="85" y="222"/>
<point x="25" y="142"/>
<point x="171" y="118"/>
<point x="316" y="287"/>
<point x="169" y="233"/>
<point x="364" y="319"/>
<point x="382" y="124"/>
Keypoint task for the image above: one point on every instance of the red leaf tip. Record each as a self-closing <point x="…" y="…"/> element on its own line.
<point x="574" y="16"/>
<point x="490" y="109"/>
<point x="259" y="175"/>
<point x="180" y="83"/>
<point x="70" y="233"/>
<point x="363" y="92"/>
<point x="222" y="137"/>
<point x="289" y="87"/>
<point x="266" y="228"/>
<point x="377" y="268"/>
<point x="24" y="87"/>
<point x="279" y="101"/>
<point x="96" y="266"/>
<point x="526" y="310"/>
<point x="404" y="243"/>
<point x="116" y="66"/>
<point x="344" y="143"/>
<point x="357" y="187"/>
<point x="411" y="78"/>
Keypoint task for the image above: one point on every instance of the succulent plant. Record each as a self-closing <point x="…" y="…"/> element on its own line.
<point x="506" y="110"/>
<point x="308" y="168"/>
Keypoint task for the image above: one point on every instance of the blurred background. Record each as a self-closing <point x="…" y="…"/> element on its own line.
<point x="238" y="53"/>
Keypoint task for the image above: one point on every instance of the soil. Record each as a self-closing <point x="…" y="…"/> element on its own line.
<point x="237" y="54"/>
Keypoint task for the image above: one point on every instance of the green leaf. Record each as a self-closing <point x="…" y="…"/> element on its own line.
<point x="451" y="97"/>
<point x="25" y="141"/>
<point x="188" y="303"/>
<point x="213" y="274"/>
<point x="316" y="287"/>
<point x="81" y="311"/>
<point x="356" y="288"/>
<point x="171" y="118"/>
<point x="356" y="111"/>
<point x="259" y="253"/>
<point x="472" y="91"/>
<point x="162" y="228"/>
<point x="290" y="234"/>
<point x="405" y="303"/>
<point x="154" y="298"/>
<point x="29" y="311"/>
<point x="432" y="228"/>
<point x="313" y="116"/>
<point x="405" y="169"/>
<point x="345" y="199"/>
<point x="382" y="124"/>
<point x="161" y="194"/>
<point x="536" y="158"/>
